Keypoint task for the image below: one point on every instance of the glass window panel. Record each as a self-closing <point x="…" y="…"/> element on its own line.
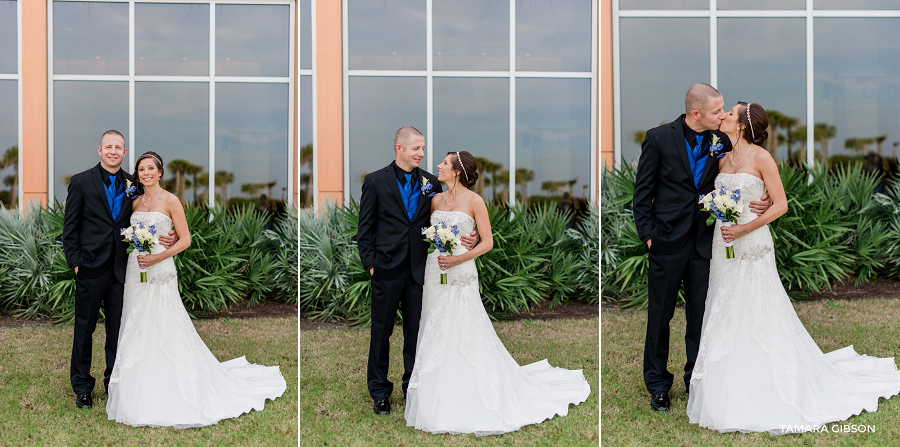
<point x="172" y="119"/>
<point x="856" y="4"/>
<point x="251" y="142"/>
<point x="472" y="114"/>
<point x="857" y="87"/>
<point x="171" y="39"/>
<point x="471" y="35"/>
<point x="654" y="77"/>
<point x="305" y="34"/>
<point x="378" y="107"/>
<point x="9" y="143"/>
<point x="770" y="72"/>
<point x="9" y="39"/>
<point x="553" y="142"/>
<point x="663" y="4"/>
<point x="387" y="34"/>
<point x="553" y="35"/>
<point x="306" y="155"/>
<point x="90" y="38"/>
<point x="253" y="40"/>
<point x="760" y="4"/>
<point x="82" y="112"/>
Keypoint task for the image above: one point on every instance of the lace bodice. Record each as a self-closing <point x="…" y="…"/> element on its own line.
<point x="757" y="243"/>
<point x="465" y="222"/>
<point x="164" y="270"/>
<point x="465" y="273"/>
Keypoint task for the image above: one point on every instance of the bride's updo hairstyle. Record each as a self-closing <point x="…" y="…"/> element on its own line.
<point x="464" y="163"/>
<point x="157" y="160"/>
<point x="755" y="122"/>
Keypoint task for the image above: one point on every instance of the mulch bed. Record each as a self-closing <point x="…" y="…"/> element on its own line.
<point x="542" y="312"/>
<point x="881" y="288"/>
<point x="239" y="310"/>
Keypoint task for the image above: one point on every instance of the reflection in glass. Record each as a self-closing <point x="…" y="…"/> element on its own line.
<point x="553" y="142"/>
<point x="663" y="4"/>
<point x="472" y="114"/>
<point x="252" y="40"/>
<point x="471" y="35"/>
<point x="856" y="4"/>
<point x="8" y="38"/>
<point x="553" y="36"/>
<point x="857" y="89"/>
<point x="306" y="150"/>
<point x="770" y="70"/>
<point x="655" y="78"/>
<point x="760" y="4"/>
<point x="90" y="38"/>
<point x="378" y="107"/>
<point x="387" y="34"/>
<point x="172" y="119"/>
<point x="82" y="112"/>
<point x="305" y="34"/>
<point x="171" y="39"/>
<point x="9" y="143"/>
<point x="251" y="143"/>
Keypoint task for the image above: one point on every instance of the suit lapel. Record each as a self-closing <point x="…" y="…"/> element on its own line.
<point x="711" y="163"/>
<point x="423" y="198"/>
<point x="96" y="175"/>
<point x="678" y="135"/>
<point x="126" y="202"/>
<point x="392" y="182"/>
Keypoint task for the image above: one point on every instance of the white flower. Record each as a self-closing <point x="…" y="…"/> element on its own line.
<point x="730" y="203"/>
<point x="720" y="200"/>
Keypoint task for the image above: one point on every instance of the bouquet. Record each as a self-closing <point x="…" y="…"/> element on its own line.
<point x="142" y="238"/>
<point x="442" y="238"/>
<point x="726" y="206"/>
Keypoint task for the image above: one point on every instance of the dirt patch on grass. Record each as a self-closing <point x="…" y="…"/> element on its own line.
<point x="238" y="310"/>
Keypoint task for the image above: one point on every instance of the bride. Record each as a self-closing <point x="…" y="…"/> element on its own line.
<point x="758" y="369"/>
<point x="164" y="374"/>
<point x="464" y="380"/>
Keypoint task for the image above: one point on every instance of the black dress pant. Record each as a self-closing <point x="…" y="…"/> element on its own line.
<point x="387" y="296"/>
<point x="90" y="294"/>
<point x="666" y="274"/>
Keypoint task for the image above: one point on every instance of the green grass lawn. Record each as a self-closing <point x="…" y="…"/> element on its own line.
<point x="37" y="405"/>
<point x="336" y="410"/>
<point x="627" y="419"/>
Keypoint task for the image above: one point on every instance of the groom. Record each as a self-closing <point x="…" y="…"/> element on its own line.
<point x="676" y="169"/>
<point x="394" y="207"/>
<point x="96" y="210"/>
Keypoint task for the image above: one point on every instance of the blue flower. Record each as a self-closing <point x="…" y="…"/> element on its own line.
<point x="427" y="188"/>
<point x="153" y="229"/>
<point x="455" y="230"/>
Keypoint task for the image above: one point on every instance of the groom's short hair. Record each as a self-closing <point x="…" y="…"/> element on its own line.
<point x="698" y="97"/>
<point x="404" y="133"/>
<point x="111" y="132"/>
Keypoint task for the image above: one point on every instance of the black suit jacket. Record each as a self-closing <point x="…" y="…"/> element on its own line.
<point x="91" y="239"/>
<point x="665" y="196"/>
<point x="387" y="240"/>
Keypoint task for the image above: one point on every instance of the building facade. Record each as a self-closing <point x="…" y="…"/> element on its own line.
<point x="833" y="65"/>
<point x="513" y="82"/>
<point x="208" y="85"/>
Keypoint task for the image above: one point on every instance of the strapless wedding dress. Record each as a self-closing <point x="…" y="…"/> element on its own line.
<point x="758" y="369"/>
<point x="164" y="374"/>
<point x="464" y="380"/>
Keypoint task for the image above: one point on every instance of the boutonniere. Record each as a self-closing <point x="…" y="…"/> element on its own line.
<point x="131" y="190"/>
<point x="427" y="188"/>
<point x="716" y="148"/>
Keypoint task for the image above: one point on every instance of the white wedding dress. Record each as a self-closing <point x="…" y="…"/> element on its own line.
<point x="464" y="380"/>
<point x="164" y="374"/>
<point x="758" y="369"/>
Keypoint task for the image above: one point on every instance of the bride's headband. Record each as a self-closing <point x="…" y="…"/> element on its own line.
<point x="151" y="155"/>
<point x="752" y="134"/>
<point x="463" y="167"/>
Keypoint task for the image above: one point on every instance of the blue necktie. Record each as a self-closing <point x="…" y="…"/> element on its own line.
<point x="698" y="150"/>
<point x="114" y="206"/>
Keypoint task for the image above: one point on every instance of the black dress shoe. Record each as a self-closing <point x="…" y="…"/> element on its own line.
<point x="84" y="400"/>
<point x="382" y="406"/>
<point x="660" y="401"/>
